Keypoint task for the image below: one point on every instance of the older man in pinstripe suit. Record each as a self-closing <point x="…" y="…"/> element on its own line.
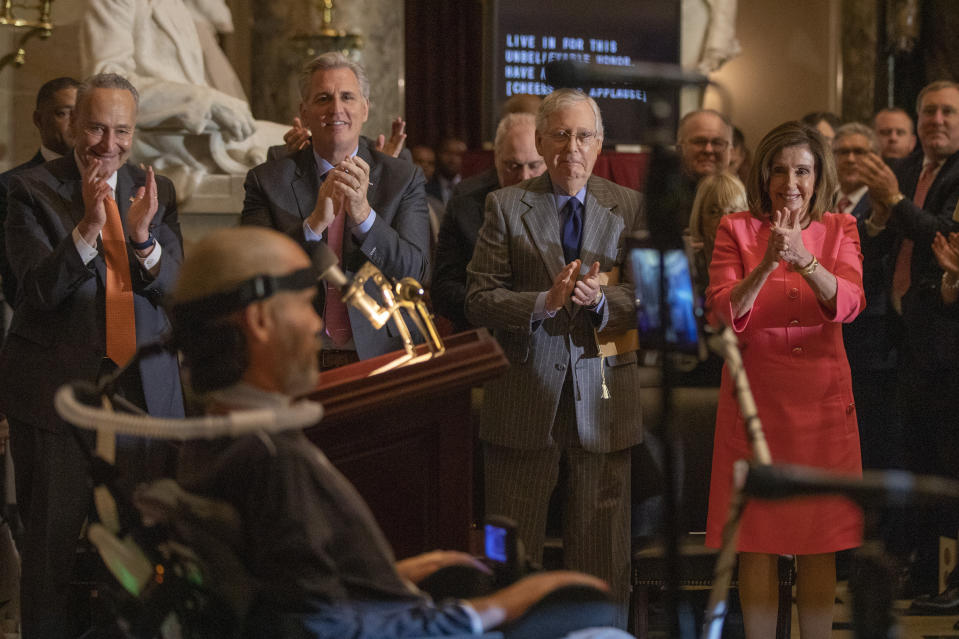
<point x="536" y="279"/>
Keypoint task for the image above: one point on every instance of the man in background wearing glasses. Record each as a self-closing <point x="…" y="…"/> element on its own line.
<point x="704" y="140"/>
<point x="538" y="280"/>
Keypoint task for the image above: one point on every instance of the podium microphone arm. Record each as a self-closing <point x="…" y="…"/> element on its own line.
<point x="326" y="264"/>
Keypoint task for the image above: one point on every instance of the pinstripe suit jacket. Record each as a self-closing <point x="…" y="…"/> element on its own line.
<point x="518" y="253"/>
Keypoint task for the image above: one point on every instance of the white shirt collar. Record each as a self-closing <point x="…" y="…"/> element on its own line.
<point x="854" y="197"/>
<point x="49" y="155"/>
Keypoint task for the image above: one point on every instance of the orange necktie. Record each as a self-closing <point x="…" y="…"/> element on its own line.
<point x="121" y="323"/>
<point x="902" y="273"/>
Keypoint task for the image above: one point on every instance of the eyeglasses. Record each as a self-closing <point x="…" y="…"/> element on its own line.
<point x="563" y="137"/>
<point x="97" y="131"/>
<point x="717" y="143"/>
<point x="855" y="150"/>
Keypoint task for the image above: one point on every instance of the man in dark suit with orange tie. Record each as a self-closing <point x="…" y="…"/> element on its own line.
<point x="380" y="214"/>
<point x="94" y="243"/>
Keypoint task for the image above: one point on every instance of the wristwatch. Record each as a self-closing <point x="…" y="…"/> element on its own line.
<point x="142" y="246"/>
<point x="895" y="199"/>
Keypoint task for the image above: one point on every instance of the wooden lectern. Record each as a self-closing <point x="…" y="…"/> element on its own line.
<point x="404" y="437"/>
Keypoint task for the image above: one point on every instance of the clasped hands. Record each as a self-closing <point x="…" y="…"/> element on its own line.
<point x="785" y="240"/>
<point x="345" y="185"/>
<point x="95" y="191"/>
<point x="584" y="291"/>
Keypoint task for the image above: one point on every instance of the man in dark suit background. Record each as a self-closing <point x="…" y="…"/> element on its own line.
<point x="897" y="133"/>
<point x="449" y="163"/>
<point x="919" y="196"/>
<point x="872" y="339"/>
<point x="515" y="159"/>
<point x="66" y="244"/>
<point x="559" y="397"/>
<point x="55" y="102"/>
<point x="380" y="213"/>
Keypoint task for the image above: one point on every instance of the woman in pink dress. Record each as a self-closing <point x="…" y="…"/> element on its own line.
<point x="784" y="276"/>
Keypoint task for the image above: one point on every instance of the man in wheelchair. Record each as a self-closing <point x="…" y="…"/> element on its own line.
<point x="307" y="558"/>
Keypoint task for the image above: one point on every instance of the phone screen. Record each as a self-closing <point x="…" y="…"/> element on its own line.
<point x="497" y="542"/>
<point x="685" y="309"/>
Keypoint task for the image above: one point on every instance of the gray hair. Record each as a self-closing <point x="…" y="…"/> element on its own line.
<point x="561" y="99"/>
<point x="681" y="129"/>
<point x="106" y="81"/>
<point x="508" y="123"/>
<point x="857" y="128"/>
<point x="328" y="61"/>
<point x="938" y="85"/>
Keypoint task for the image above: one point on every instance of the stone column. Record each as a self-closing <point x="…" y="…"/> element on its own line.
<point x="277" y="56"/>
<point x="859" y="33"/>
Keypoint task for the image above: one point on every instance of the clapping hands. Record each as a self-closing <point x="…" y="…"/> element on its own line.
<point x="584" y="291"/>
<point x="785" y="239"/>
<point x="297" y="137"/>
<point x="947" y="253"/>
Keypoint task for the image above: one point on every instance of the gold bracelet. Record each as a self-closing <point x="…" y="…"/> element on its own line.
<point x="810" y="268"/>
<point x="949" y="280"/>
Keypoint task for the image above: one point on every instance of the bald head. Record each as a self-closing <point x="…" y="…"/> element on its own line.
<point x="704" y="139"/>
<point x="522" y="103"/>
<point x="515" y="155"/>
<point x="233" y="323"/>
<point x="225" y="258"/>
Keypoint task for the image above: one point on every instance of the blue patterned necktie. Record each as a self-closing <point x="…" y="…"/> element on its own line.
<point x="572" y="229"/>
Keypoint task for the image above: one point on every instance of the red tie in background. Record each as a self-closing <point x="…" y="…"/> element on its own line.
<point x="121" y="322"/>
<point x="335" y="315"/>
<point x="844" y="204"/>
<point x="901" y="274"/>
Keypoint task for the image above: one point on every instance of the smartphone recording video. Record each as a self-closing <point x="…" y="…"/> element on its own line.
<point x="683" y="307"/>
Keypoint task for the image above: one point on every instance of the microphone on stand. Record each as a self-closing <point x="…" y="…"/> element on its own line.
<point x="326" y="264"/>
<point x="650" y="75"/>
<point x="894" y="488"/>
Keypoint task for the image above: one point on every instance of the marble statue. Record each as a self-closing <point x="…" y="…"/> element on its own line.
<point x="194" y="119"/>
<point x="720" y="44"/>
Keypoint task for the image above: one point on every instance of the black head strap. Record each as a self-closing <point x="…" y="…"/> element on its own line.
<point x="258" y="287"/>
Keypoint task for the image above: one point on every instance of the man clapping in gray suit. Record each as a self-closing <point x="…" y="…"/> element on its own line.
<point x="537" y="280"/>
<point x="380" y="211"/>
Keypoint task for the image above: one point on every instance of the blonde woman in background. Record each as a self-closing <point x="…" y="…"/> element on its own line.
<point x="716" y="196"/>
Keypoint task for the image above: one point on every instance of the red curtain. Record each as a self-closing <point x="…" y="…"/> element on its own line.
<point x="444" y="54"/>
